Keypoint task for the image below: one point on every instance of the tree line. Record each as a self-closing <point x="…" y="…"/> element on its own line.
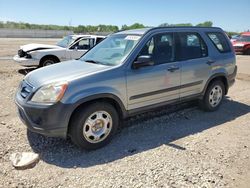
<point x="91" y="28"/>
<point x="77" y="29"/>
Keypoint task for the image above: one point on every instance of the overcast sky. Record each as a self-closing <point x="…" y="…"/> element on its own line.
<point x="231" y="15"/>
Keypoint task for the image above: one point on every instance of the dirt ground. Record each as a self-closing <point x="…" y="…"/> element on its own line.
<point x="178" y="146"/>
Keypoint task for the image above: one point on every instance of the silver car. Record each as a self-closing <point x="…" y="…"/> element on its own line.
<point x="127" y="73"/>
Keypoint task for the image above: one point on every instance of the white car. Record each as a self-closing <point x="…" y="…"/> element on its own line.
<point x="70" y="47"/>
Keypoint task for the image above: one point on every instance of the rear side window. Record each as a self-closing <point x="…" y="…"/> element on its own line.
<point x="220" y="42"/>
<point x="190" y="46"/>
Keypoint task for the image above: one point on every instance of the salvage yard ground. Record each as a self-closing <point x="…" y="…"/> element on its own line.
<point x="174" y="147"/>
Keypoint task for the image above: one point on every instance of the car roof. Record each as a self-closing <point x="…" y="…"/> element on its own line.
<point x="148" y="29"/>
<point x="134" y="31"/>
<point x="86" y="36"/>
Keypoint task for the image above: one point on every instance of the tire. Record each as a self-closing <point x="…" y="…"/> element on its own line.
<point x="247" y="52"/>
<point x="48" y="61"/>
<point x="213" y="96"/>
<point x="93" y="126"/>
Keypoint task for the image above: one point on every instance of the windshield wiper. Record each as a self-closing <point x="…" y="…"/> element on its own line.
<point x="91" y="61"/>
<point x="95" y="62"/>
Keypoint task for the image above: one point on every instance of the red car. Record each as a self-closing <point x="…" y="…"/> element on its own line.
<point x="242" y="45"/>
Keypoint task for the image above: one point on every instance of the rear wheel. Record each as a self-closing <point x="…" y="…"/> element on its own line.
<point x="213" y="96"/>
<point x="94" y="125"/>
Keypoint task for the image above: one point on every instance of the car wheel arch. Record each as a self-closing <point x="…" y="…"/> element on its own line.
<point x="217" y="76"/>
<point x="49" y="56"/>
<point x="247" y="49"/>
<point x="109" y="98"/>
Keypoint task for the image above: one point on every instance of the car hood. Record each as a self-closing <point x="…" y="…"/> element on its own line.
<point x="34" y="47"/>
<point x="64" y="71"/>
<point x="240" y="43"/>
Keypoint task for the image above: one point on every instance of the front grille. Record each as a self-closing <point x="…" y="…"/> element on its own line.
<point x="21" y="53"/>
<point x="238" y="47"/>
<point x="25" y="89"/>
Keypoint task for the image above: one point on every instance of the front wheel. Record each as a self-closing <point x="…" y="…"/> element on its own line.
<point x="94" y="126"/>
<point x="48" y="61"/>
<point x="247" y="52"/>
<point x="213" y="96"/>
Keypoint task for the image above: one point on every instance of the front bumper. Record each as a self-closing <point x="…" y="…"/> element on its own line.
<point x="50" y="120"/>
<point x="25" y="62"/>
<point x="238" y="49"/>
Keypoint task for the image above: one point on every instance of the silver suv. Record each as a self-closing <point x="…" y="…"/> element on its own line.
<point x="127" y="73"/>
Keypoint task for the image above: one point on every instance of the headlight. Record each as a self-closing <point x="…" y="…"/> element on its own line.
<point x="51" y="93"/>
<point x="238" y="45"/>
<point x="28" y="56"/>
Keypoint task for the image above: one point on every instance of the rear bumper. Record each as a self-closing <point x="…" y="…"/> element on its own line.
<point x="231" y="78"/>
<point x="49" y="120"/>
<point x="25" y="62"/>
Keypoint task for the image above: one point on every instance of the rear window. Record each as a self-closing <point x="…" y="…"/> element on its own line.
<point x="220" y="42"/>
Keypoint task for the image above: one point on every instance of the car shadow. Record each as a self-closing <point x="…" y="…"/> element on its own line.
<point x="140" y="133"/>
<point x="26" y="70"/>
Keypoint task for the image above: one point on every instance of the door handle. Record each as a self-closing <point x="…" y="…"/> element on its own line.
<point x="172" y="69"/>
<point x="210" y="62"/>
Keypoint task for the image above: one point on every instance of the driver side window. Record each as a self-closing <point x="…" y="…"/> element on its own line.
<point x="84" y="44"/>
<point x="160" y="47"/>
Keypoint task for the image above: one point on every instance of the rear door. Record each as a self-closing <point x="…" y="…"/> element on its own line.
<point x="192" y="53"/>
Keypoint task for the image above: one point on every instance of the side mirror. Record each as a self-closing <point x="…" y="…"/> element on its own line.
<point x="142" y="61"/>
<point x="76" y="47"/>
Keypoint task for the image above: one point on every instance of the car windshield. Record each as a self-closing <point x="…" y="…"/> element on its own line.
<point x="113" y="50"/>
<point x="235" y="36"/>
<point x="65" y="42"/>
<point x="244" y="38"/>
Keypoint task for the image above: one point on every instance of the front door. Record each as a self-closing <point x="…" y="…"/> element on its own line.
<point x="157" y="83"/>
<point x="80" y="48"/>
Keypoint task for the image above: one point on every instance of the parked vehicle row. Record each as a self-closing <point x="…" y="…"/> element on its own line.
<point x="74" y="46"/>
<point x="242" y="44"/>
<point x="70" y="47"/>
<point x="129" y="72"/>
<point x="233" y="38"/>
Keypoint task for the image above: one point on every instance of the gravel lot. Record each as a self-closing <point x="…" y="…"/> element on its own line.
<point x="178" y="146"/>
